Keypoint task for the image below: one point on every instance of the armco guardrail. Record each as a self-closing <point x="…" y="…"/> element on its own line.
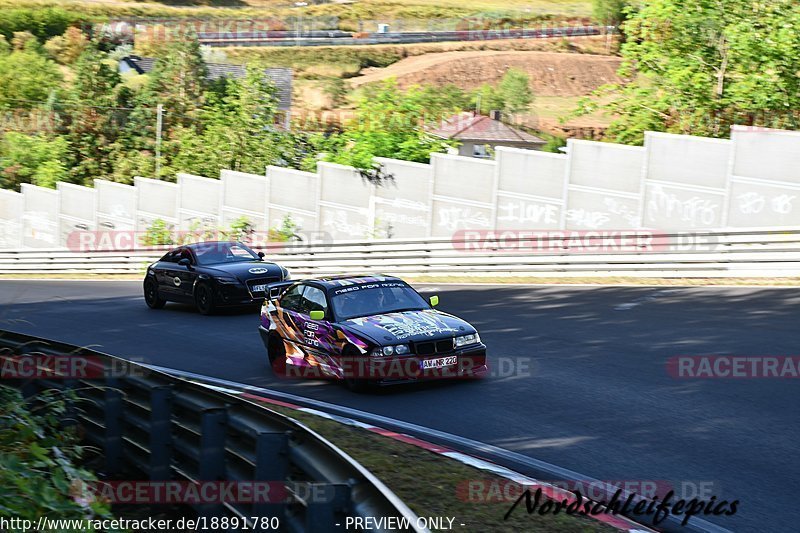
<point x="730" y="253"/>
<point x="172" y="429"/>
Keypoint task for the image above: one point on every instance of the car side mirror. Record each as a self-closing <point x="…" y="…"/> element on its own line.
<point x="434" y="300"/>
<point x="185" y="262"/>
<point x="261" y="255"/>
<point x="317" y="315"/>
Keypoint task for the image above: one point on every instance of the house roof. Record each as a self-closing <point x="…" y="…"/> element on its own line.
<point x="281" y="77"/>
<point x="472" y="127"/>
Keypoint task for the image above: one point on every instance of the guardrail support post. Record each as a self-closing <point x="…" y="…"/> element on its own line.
<point x="272" y="465"/>
<point x="160" y="434"/>
<point x="211" y="461"/>
<point x="112" y="443"/>
<point x="328" y="504"/>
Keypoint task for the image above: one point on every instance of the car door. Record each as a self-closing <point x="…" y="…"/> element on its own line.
<point x="179" y="279"/>
<point x="315" y="333"/>
<point x="161" y="270"/>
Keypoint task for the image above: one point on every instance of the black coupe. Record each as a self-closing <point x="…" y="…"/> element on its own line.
<point x="211" y="275"/>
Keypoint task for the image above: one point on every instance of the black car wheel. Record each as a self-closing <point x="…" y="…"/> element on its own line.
<point x="276" y="352"/>
<point x="151" y="296"/>
<point x="352" y="383"/>
<point x="204" y="299"/>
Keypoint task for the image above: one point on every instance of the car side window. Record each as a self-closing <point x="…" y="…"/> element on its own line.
<point x="314" y="300"/>
<point x="171" y="257"/>
<point x="293" y="298"/>
<point x="184" y="253"/>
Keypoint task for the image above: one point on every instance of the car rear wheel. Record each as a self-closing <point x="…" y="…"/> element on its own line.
<point x="204" y="299"/>
<point x="151" y="296"/>
<point x="276" y="352"/>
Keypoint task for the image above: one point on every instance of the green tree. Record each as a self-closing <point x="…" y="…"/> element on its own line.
<point x="512" y="95"/>
<point x="237" y="129"/>
<point x="609" y="12"/>
<point x="27" y="79"/>
<point x="32" y="159"/>
<point x="391" y="123"/>
<point x="94" y="119"/>
<point x="697" y="67"/>
<point x="178" y="79"/>
<point x="67" y="48"/>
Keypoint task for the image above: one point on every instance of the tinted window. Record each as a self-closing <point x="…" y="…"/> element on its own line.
<point x="375" y="299"/>
<point x="211" y="253"/>
<point x="293" y="298"/>
<point x="314" y="300"/>
<point x="171" y="256"/>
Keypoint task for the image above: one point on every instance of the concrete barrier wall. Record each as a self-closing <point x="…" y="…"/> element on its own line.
<point x="672" y="183"/>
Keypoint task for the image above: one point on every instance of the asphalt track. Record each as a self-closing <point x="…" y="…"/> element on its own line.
<point x="595" y="396"/>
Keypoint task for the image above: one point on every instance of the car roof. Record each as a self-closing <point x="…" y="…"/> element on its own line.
<point x="335" y="282"/>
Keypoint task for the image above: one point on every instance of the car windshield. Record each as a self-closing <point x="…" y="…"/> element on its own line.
<point x="375" y="299"/>
<point x="223" y="252"/>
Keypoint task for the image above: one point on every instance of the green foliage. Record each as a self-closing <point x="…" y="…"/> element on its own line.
<point x="41" y="22"/>
<point x="697" y="67"/>
<point x="512" y="95"/>
<point x="93" y="130"/>
<point x="27" y="78"/>
<point x="286" y="232"/>
<point x="158" y="233"/>
<point x="389" y="123"/>
<point x="609" y="12"/>
<point x="240" y="229"/>
<point x="32" y="159"/>
<point x="67" y="48"/>
<point x="38" y="471"/>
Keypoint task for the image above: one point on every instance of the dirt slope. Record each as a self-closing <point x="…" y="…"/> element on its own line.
<point x="552" y="73"/>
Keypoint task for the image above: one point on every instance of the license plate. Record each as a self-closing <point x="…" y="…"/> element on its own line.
<point x="438" y="363"/>
<point x="259" y="288"/>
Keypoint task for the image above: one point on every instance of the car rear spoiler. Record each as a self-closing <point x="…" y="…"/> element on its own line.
<point x="276" y="289"/>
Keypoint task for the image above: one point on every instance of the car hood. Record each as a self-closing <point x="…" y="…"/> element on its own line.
<point x="245" y="270"/>
<point x="408" y="326"/>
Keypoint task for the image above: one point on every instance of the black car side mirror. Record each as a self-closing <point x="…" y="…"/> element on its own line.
<point x="261" y="255"/>
<point x="185" y="262"/>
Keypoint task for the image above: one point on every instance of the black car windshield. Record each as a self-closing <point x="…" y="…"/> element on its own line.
<point x="211" y="253"/>
<point x="375" y="299"/>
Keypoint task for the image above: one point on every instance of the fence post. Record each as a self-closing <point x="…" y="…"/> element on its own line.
<point x="272" y="465"/>
<point x="211" y="461"/>
<point x="160" y="433"/>
<point x="322" y="514"/>
<point x="112" y="442"/>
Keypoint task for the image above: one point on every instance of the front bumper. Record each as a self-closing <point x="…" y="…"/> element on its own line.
<point x="234" y="294"/>
<point x="470" y="364"/>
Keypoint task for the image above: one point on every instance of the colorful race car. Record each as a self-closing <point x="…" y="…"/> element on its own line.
<point x="365" y="330"/>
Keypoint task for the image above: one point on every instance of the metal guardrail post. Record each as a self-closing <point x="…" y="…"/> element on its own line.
<point x="272" y="452"/>
<point x="160" y="444"/>
<point x="324" y="513"/>
<point x="112" y="414"/>
<point x="211" y="456"/>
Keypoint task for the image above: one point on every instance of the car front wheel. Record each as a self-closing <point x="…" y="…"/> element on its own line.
<point x="204" y="299"/>
<point x="151" y="296"/>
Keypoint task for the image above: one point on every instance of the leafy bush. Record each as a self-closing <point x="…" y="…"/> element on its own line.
<point x="158" y="233"/>
<point x="43" y="23"/>
<point x="38" y="459"/>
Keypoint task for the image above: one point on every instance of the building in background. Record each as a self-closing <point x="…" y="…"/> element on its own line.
<point x="480" y="134"/>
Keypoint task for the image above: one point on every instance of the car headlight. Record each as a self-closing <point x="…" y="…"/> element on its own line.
<point x="399" y="349"/>
<point x="465" y="340"/>
<point x="286" y="275"/>
<point x="227" y="281"/>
